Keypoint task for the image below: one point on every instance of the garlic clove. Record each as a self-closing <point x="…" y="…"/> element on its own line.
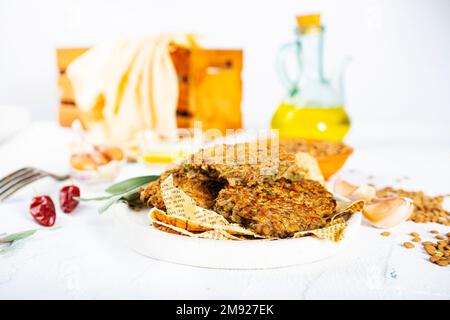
<point x="343" y="188"/>
<point x="354" y="193"/>
<point x="388" y="212"/>
<point x="364" y="192"/>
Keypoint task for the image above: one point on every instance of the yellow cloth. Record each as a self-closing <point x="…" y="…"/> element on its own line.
<point x="132" y="82"/>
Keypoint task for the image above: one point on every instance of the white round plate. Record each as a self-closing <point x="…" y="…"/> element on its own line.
<point x="136" y="231"/>
<point x="12" y="119"/>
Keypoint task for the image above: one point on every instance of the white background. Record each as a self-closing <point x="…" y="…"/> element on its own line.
<point x="87" y="257"/>
<point x="397" y="85"/>
<point x="398" y="98"/>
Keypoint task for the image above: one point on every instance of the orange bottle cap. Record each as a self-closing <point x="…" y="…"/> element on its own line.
<point x="308" y="21"/>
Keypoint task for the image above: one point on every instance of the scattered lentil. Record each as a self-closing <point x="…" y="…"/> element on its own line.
<point x="439" y="252"/>
<point x="442" y="263"/>
<point x="430" y="250"/>
<point x="385" y="234"/>
<point x="408" y="245"/>
<point x="434" y="259"/>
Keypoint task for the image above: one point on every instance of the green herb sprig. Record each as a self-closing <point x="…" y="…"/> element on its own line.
<point x="126" y="191"/>
<point x="10" y="239"/>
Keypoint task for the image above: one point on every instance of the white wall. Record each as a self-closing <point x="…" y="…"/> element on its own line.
<point x="399" y="77"/>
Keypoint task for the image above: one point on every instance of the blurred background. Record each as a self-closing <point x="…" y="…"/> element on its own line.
<point x="397" y="87"/>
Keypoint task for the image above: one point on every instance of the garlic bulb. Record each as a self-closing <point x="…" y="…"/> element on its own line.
<point x="354" y="193"/>
<point x="388" y="212"/>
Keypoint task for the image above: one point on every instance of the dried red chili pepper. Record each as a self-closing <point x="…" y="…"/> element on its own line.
<point x="43" y="210"/>
<point x="66" y="198"/>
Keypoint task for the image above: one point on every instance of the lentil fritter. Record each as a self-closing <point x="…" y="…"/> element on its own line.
<point x="202" y="189"/>
<point x="249" y="185"/>
<point x="316" y="148"/>
<point x="277" y="210"/>
<point x="246" y="164"/>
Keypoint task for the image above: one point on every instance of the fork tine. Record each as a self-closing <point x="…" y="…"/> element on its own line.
<point x="14" y="174"/>
<point x="19" y="184"/>
<point x="58" y="177"/>
<point x="17" y="180"/>
<point x="20" y="175"/>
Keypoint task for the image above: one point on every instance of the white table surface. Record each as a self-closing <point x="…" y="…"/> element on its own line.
<point x="84" y="259"/>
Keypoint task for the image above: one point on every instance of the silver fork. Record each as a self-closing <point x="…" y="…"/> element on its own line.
<point x="18" y="179"/>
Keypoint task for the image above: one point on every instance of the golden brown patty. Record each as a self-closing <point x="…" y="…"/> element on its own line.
<point x="245" y="164"/>
<point x="198" y="186"/>
<point x="234" y="183"/>
<point x="206" y="172"/>
<point x="278" y="210"/>
<point x="316" y="148"/>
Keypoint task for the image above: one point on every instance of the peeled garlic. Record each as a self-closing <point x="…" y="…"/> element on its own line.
<point x="354" y="193"/>
<point x="364" y="192"/>
<point x="388" y="212"/>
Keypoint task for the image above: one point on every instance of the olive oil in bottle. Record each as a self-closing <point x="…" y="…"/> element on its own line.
<point x="319" y="123"/>
<point x="314" y="106"/>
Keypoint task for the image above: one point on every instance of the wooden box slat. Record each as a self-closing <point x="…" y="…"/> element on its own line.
<point x="210" y="87"/>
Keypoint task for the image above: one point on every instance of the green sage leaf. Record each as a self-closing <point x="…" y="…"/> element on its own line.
<point x="133" y="200"/>
<point x="18" y="236"/>
<point x="108" y="204"/>
<point x="116" y="199"/>
<point x="130" y="184"/>
<point x="6" y="248"/>
<point x="94" y="198"/>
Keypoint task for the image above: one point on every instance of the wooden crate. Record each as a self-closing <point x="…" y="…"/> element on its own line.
<point x="210" y="87"/>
